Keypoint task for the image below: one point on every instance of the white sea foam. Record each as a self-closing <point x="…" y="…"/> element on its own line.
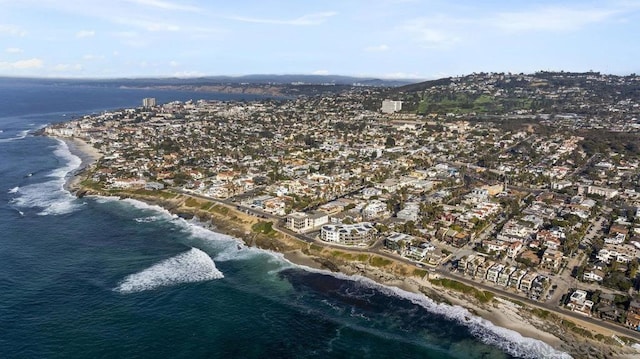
<point x="227" y="248"/>
<point x="146" y="219"/>
<point x="50" y="196"/>
<point x="196" y="265"/>
<point x="14" y="190"/>
<point x="21" y="135"/>
<point x="507" y="340"/>
<point x="188" y="267"/>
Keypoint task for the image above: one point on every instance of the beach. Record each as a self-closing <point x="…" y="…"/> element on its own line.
<point x="88" y="156"/>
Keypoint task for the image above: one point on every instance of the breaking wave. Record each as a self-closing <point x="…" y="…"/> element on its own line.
<point x="195" y="265"/>
<point x="50" y="196"/>
<point x="505" y="339"/>
<point x="146" y="219"/>
<point x="227" y="248"/>
<point x="188" y="267"/>
<point x="21" y="135"/>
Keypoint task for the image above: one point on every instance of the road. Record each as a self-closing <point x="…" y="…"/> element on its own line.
<point x="618" y="330"/>
<point x="440" y="270"/>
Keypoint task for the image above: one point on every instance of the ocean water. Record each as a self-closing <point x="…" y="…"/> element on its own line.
<point x="104" y="278"/>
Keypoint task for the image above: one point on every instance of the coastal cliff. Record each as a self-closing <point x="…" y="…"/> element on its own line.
<point x="252" y="231"/>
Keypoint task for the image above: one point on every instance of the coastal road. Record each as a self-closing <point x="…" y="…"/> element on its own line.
<point x="618" y="330"/>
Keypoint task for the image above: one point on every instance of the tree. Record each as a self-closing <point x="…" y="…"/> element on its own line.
<point x="390" y="142"/>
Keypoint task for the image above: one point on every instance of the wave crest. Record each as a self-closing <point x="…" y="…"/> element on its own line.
<point x="188" y="267"/>
<point x="50" y="196"/>
<point x="505" y="339"/>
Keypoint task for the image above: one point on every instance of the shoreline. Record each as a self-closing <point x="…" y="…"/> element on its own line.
<point x="88" y="155"/>
<point x="500" y="312"/>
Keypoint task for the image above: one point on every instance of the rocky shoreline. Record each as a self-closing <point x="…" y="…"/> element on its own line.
<point x="229" y="221"/>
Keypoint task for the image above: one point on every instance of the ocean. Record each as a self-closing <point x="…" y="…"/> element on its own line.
<point x="106" y="278"/>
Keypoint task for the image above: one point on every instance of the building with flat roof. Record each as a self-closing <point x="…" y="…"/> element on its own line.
<point x="148" y="102"/>
<point x="390" y="106"/>
<point x="353" y="234"/>
<point x="302" y="222"/>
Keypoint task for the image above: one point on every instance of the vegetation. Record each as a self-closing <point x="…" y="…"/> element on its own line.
<point x="380" y="262"/>
<point x="482" y="296"/>
<point x="264" y="228"/>
<point x="419" y="273"/>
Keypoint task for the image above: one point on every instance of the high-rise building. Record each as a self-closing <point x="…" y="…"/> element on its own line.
<point x="148" y="102"/>
<point x="390" y="106"/>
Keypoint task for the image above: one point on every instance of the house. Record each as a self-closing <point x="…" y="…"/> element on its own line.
<point x="505" y="275"/>
<point x="494" y="272"/>
<point x="420" y="251"/>
<point x="633" y="315"/>
<point x="609" y="312"/>
<point x="578" y="303"/>
<point x="513" y="249"/>
<point x="410" y="212"/>
<point x="375" y="209"/>
<point x="551" y="259"/>
<point x="472" y="266"/>
<point x="526" y="282"/>
<point x="594" y="275"/>
<point x="516" y="278"/>
<point x="548" y="239"/>
<point x="154" y="186"/>
<point x="397" y="242"/>
<point x="481" y="271"/>
<point x="495" y="246"/>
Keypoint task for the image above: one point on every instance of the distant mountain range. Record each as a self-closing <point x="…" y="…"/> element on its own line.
<point x="217" y="80"/>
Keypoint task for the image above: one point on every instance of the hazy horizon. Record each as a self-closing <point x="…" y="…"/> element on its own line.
<point x="389" y="39"/>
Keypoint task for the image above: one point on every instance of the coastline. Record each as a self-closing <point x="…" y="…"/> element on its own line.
<point x="500" y="312"/>
<point x="88" y="155"/>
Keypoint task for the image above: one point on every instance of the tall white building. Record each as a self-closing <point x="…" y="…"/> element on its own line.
<point x="148" y="102"/>
<point x="391" y="106"/>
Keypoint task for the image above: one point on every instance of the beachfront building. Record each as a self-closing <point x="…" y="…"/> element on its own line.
<point x="302" y="222"/>
<point x="578" y="303"/>
<point x="351" y="234"/>
<point x="526" y="283"/>
<point x="494" y="272"/>
<point x="505" y="275"/>
<point x="633" y="315"/>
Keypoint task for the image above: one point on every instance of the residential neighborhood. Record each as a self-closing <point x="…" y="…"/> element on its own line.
<point x="530" y="188"/>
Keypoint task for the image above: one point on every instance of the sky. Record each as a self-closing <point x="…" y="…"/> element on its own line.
<point x="418" y="39"/>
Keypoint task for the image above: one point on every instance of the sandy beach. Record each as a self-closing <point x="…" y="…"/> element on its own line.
<point x="88" y="156"/>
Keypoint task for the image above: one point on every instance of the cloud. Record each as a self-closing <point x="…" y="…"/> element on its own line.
<point x="320" y="72"/>
<point x="433" y="32"/>
<point x="187" y="74"/>
<point x="11" y="30"/>
<point x="33" y="63"/>
<point x="377" y="48"/>
<point x="305" y="20"/>
<point x="85" y="33"/>
<point x="165" y="5"/>
<point x="67" y="67"/>
<point x="554" y="18"/>
<point x="173" y="63"/>
<point x="13" y="50"/>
